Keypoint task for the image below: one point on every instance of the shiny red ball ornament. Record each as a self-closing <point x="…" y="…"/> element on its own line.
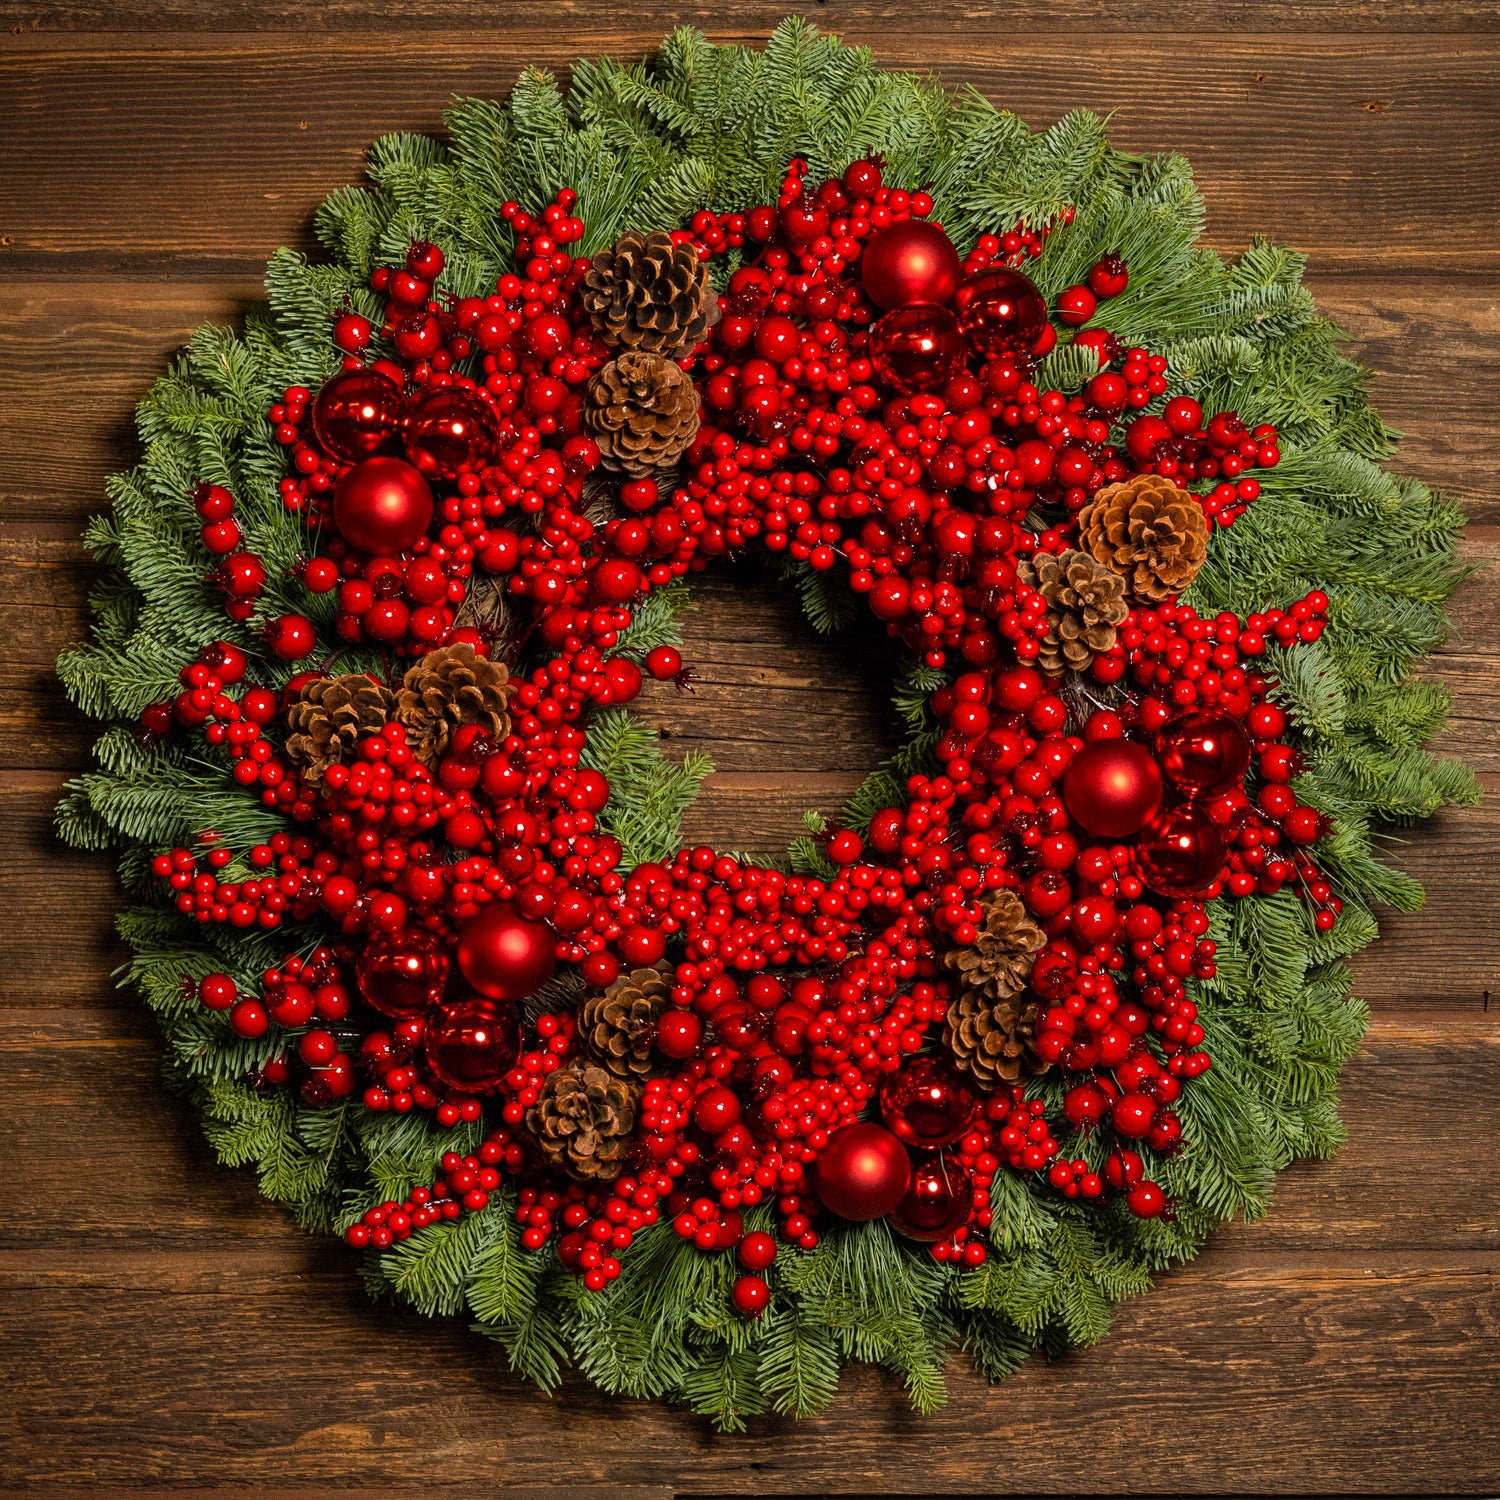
<point x="1204" y="750"/>
<point x="910" y="261"/>
<point x="357" y="414"/>
<point x="504" y="955"/>
<point x="926" y="1105"/>
<point x="1182" y="851"/>
<point x="863" y="1172"/>
<point x="403" y="973"/>
<point x="938" y="1201"/>
<point x="451" y="431"/>
<point x="472" y="1045"/>
<point x="383" y="506"/>
<point x="1000" y="311"/>
<point x="917" y="348"/>
<point x="1113" y="788"/>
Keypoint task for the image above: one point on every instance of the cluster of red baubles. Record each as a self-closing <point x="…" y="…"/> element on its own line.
<point x="868" y="402"/>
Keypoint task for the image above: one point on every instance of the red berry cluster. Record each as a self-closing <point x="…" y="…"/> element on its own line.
<point x="793" y="997"/>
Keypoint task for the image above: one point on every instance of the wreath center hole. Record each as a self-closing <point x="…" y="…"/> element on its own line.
<point x="792" y="718"/>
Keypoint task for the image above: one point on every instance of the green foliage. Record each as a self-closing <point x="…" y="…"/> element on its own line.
<point x="646" y="144"/>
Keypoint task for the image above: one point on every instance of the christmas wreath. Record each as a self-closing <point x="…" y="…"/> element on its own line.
<point x="1058" y="991"/>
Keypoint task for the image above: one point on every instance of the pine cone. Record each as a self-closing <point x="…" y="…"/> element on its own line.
<point x="642" y="411"/>
<point x="1151" y="533"/>
<point x="647" y="293"/>
<point x="997" y="963"/>
<point x="584" y="1119"/>
<point x="1085" y="601"/>
<point x="329" y="719"/>
<point x="449" y="687"/>
<point x="618" y="1025"/>
<point x="992" y="1039"/>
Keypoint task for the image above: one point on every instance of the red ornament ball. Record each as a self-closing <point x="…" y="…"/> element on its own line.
<point x="917" y="348"/>
<point x="938" y="1201"/>
<point x="403" y="973"/>
<point x="910" y="261"/>
<point x="1203" y="750"/>
<point x="926" y="1105"/>
<point x="1182" y="852"/>
<point x="1113" y="788"/>
<point x="451" y="431"/>
<point x="383" y="506"/>
<point x="471" y="1046"/>
<point x="505" y="956"/>
<point x="357" y="414"/>
<point x="1000" y="311"/>
<point x="863" y="1172"/>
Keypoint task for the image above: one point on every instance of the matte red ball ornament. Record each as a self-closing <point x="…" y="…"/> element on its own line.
<point x="1182" y="852"/>
<point x="863" y="1172"/>
<point x="916" y="348"/>
<point x="1204" y="750"/>
<point x="357" y="414"/>
<point x="472" y="1045"/>
<point x="505" y="956"/>
<point x="1000" y="311"/>
<point x="1113" y="788"/>
<point x="382" y="505"/>
<point x="926" y="1105"/>
<point x="403" y="973"/>
<point x="451" y="431"/>
<point x="938" y="1201"/>
<point x="911" y="261"/>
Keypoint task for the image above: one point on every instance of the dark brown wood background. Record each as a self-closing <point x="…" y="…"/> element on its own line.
<point x="164" y="1328"/>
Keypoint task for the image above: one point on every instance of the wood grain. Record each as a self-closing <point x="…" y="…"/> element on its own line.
<point x="169" y="1331"/>
<point x="1282" y="130"/>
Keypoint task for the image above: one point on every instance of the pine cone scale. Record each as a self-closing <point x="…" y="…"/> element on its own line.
<point x="330" y="717"/>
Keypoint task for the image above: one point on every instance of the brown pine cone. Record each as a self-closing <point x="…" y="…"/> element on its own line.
<point x="329" y="719"/>
<point x="618" y="1025"/>
<point x="997" y="964"/>
<point x="642" y="410"/>
<point x="449" y="687"/>
<point x="647" y="293"/>
<point x="1151" y="533"/>
<point x="1085" y="602"/>
<point x="992" y="1038"/>
<point x="584" y="1119"/>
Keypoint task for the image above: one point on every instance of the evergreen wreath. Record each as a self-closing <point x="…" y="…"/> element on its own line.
<point x="1063" y="986"/>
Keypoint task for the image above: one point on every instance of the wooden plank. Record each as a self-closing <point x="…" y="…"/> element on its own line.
<point x="590" y="31"/>
<point x="1232" y="1374"/>
<point x="188" y="151"/>
<point x="146" y="1170"/>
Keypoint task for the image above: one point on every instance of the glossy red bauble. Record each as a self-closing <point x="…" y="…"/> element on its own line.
<point x="1000" y="311"/>
<point x="472" y="1045"/>
<point x="938" y="1201"/>
<point x="383" y="506"/>
<point x="357" y="414"/>
<point x="505" y="956"/>
<point x="908" y="262"/>
<point x="926" y="1105"/>
<point x="1113" y="788"/>
<point x="1182" y="852"/>
<point x="403" y="973"/>
<point x="916" y="348"/>
<point x="863" y="1172"/>
<point x="451" y="431"/>
<point x="1204" y="750"/>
